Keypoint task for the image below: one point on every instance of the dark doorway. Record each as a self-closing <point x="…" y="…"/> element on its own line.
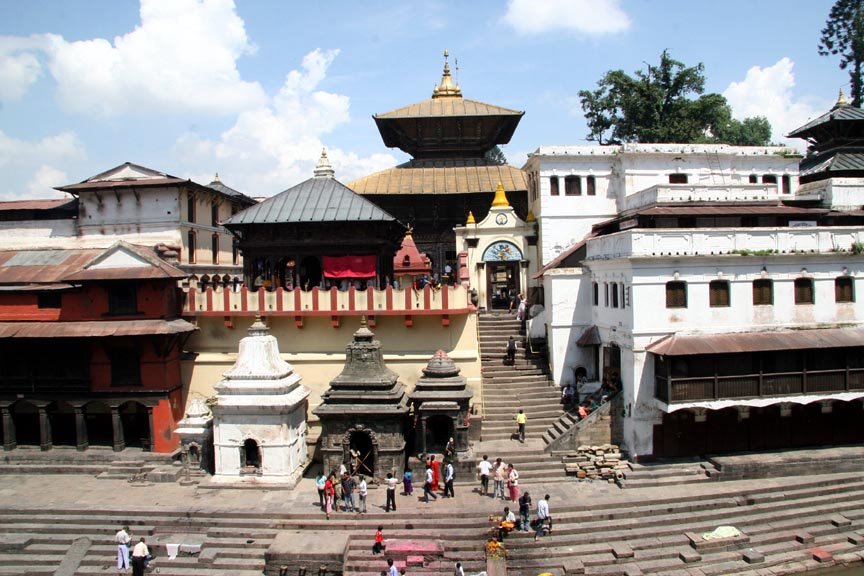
<point x="502" y="283"/>
<point x="361" y="453"/>
<point x="612" y="364"/>
<point x="250" y="454"/>
<point x="100" y="429"/>
<point x="25" y="416"/>
<point x="62" y="417"/>
<point x="136" y="424"/>
<point x="439" y="429"/>
<point x="310" y="272"/>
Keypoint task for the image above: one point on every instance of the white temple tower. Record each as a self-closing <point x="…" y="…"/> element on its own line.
<point x="259" y="425"/>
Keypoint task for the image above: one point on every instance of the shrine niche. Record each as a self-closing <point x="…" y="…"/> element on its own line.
<point x="363" y="414"/>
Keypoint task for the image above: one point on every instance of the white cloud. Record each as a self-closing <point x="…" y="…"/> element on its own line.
<point x="17" y="73"/>
<point x="31" y="164"/>
<point x="182" y="57"/>
<point x="42" y="183"/>
<point x="272" y="147"/>
<point x="768" y="92"/>
<point x="587" y="17"/>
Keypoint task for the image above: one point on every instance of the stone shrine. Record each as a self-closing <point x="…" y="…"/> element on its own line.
<point x="363" y="414"/>
<point x="196" y="435"/>
<point x="441" y="402"/>
<point x="259" y="429"/>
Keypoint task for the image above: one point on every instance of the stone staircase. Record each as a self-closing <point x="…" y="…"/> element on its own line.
<point x="526" y="384"/>
<point x="99" y="461"/>
<point x="806" y="523"/>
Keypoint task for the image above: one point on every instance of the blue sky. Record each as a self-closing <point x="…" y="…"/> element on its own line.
<point x="254" y="89"/>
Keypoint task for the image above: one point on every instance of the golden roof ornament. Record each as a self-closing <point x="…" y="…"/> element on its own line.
<point x="500" y="200"/>
<point x="530" y="217"/>
<point x="447" y="89"/>
<point x="470" y="219"/>
<point x="841" y="100"/>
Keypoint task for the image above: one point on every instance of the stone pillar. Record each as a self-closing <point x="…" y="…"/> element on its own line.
<point x="117" y="424"/>
<point x="81" y="440"/>
<point x="9" y="440"/>
<point x="150" y="434"/>
<point x="423" y="433"/>
<point x="45" y="441"/>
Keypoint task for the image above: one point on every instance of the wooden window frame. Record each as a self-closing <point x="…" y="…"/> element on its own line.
<point x="191" y="241"/>
<point x="214" y="247"/>
<point x="190" y="208"/>
<point x="676" y="294"/>
<point x="590" y="186"/>
<point x="844" y="290"/>
<point x="596" y="293"/>
<point x="804" y="291"/>
<point x="763" y="287"/>
<point x="122" y="299"/>
<point x="719" y="294"/>
<point x="554" y="186"/>
<point x="572" y="185"/>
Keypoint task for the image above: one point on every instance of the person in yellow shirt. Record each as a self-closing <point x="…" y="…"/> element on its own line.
<point x="521" y="420"/>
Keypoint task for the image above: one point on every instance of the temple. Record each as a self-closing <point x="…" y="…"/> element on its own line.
<point x="454" y="168"/>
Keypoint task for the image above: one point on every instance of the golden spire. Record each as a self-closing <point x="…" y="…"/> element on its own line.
<point x="841" y="100"/>
<point x="530" y="216"/>
<point x="500" y="200"/>
<point x="471" y="219"/>
<point x="447" y="89"/>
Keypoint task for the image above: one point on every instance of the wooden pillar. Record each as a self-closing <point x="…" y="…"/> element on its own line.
<point x="9" y="440"/>
<point x="45" y="441"/>
<point x="82" y="442"/>
<point x="117" y="424"/>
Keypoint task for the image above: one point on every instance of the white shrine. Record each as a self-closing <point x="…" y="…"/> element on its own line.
<point x="259" y="418"/>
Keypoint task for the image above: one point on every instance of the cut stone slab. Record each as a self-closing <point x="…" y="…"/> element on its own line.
<point x="11" y="542"/>
<point x="804" y="537"/>
<point x="622" y="550"/>
<point x="74" y="556"/>
<point x="573" y="566"/>
<point x="751" y="556"/>
<point x="856" y="539"/>
<point x="700" y="544"/>
<point x="689" y="556"/>
<point x="310" y="549"/>
<point x="821" y="555"/>
<point x="840" y="520"/>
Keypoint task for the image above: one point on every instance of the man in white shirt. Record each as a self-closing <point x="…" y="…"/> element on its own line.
<point x="139" y="558"/>
<point x="449" y="475"/>
<point x="363" y="491"/>
<point x="544" y="520"/>
<point x="122" y="540"/>
<point x="427" y="485"/>
<point x="483" y="469"/>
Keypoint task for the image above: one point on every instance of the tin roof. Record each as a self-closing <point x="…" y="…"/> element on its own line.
<point x="849" y="160"/>
<point x="444" y="107"/>
<point x="95" y="329"/>
<point x="453" y="176"/>
<point x="688" y="345"/>
<point x="590" y="337"/>
<point x="836" y="114"/>
<point x="35" y="204"/>
<point x="314" y="200"/>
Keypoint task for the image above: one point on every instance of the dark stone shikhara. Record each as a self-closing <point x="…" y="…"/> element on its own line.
<point x="441" y="399"/>
<point x="364" y="412"/>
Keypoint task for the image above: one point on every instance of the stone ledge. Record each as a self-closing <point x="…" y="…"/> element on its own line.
<point x="689" y="556"/>
<point x="716" y="544"/>
<point x="821" y="555"/>
<point x="752" y="556"/>
<point x="803" y="537"/>
<point x="573" y="566"/>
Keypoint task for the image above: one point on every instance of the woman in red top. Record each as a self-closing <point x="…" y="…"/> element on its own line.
<point x="329" y="494"/>
<point x="436" y="472"/>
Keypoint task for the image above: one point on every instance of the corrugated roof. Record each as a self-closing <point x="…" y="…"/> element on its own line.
<point x="442" y="177"/>
<point x="689" y="345"/>
<point x="451" y="106"/>
<point x="842" y="114"/>
<point x="314" y="200"/>
<point x="35" y="204"/>
<point x="849" y="160"/>
<point x="590" y="337"/>
<point x="95" y="329"/>
<point x="228" y="191"/>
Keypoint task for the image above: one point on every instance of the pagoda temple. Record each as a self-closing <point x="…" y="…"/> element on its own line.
<point x="452" y="171"/>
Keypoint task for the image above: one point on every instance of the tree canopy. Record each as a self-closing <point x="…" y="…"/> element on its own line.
<point x="656" y="105"/>
<point x="843" y="35"/>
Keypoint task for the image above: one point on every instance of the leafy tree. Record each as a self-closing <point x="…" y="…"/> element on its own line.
<point x="843" y="34"/>
<point x="496" y="155"/>
<point x="655" y="105"/>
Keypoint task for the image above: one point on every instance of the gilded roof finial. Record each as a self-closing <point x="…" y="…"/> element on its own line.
<point x="841" y="100"/>
<point x="500" y="200"/>
<point x="447" y="88"/>
<point x="530" y="217"/>
<point x="470" y="219"/>
<point x="324" y="169"/>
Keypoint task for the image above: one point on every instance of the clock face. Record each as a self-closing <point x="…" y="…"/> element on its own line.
<point x="501" y="219"/>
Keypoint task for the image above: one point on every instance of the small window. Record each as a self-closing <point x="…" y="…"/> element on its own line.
<point x="122" y="300"/>
<point x="769" y="179"/>
<point x="573" y="186"/>
<point x="754" y="179"/>
<point x="214" y="248"/>
<point x="125" y="367"/>
<point x="553" y="185"/>
<point x="787" y="184"/>
<point x="763" y="292"/>
<point x="190" y="240"/>
<point x="596" y="289"/>
<point x="615" y="295"/>
<point x="718" y="294"/>
<point x="48" y="300"/>
<point x="844" y="290"/>
<point x="190" y="208"/>
<point x="214" y="214"/>
<point x="235" y="252"/>
<point x="803" y="291"/>
<point x="606" y="294"/>
<point x="591" y="185"/>
<point x="677" y="178"/>
<point x="676" y="294"/>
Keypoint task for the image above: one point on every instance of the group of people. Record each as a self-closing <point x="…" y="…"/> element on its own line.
<point x="140" y="554"/>
<point x="570" y="396"/>
<point x="342" y="486"/>
<point x="502" y="474"/>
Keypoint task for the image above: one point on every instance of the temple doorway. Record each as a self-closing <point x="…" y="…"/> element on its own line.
<point x="361" y="453"/>
<point x="136" y="424"/>
<point x="62" y="417"/>
<point x="26" y="419"/>
<point x="250" y="455"/>
<point x="502" y="284"/>
<point x="612" y="363"/>
<point x="100" y="429"/>
<point x="439" y="429"/>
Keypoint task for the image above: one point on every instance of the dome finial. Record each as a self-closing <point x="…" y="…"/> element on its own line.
<point x="500" y="200"/>
<point x="470" y="219"/>
<point x="324" y="169"/>
<point x="447" y="88"/>
<point x="841" y="100"/>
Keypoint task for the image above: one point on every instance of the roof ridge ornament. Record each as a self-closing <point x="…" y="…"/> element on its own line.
<point x="324" y="169"/>
<point x="500" y="200"/>
<point x="447" y="89"/>
<point x="841" y="101"/>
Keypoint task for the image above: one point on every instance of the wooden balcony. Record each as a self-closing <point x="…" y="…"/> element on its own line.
<point x="678" y="390"/>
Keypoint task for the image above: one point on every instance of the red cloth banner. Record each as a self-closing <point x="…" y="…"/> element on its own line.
<point x="349" y="266"/>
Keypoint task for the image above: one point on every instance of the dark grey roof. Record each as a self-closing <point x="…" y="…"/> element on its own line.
<point x="841" y="113"/>
<point x="230" y="192"/>
<point x="315" y="200"/>
<point x="846" y="161"/>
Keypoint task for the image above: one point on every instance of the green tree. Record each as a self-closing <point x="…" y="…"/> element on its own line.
<point x="656" y="105"/>
<point x="496" y="155"/>
<point x="843" y="35"/>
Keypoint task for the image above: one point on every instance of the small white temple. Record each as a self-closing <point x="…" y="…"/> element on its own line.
<point x="259" y="418"/>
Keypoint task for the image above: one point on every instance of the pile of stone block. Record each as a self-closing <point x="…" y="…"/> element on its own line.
<point x="601" y="462"/>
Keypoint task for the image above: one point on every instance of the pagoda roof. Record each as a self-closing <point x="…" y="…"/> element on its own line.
<point x="442" y="176"/>
<point x="447" y="107"/>
<point x="833" y="162"/>
<point x="837" y="114"/>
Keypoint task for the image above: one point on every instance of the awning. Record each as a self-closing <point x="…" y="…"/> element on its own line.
<point x="94" y="329"/>
<point x="684" y="345"/>
<point x="590" y="337"/>
<point x="349" y="266"/>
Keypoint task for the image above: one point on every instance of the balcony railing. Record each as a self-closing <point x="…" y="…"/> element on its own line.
<point x="679" y="390"/>
<point x="444" y="302"/>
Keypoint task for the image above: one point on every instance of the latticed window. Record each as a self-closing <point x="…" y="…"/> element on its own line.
<point x="591" y="186"/>
<point x="214" y="247"/>
<point x="572" y="186"/>
<point x="718" y="293"/>
<point x="763" y="292"/>
<point x="553" y="185"/>
<point x="614" y="287"/>
<point x="596" y="288"/>
<point x="676" y="294"/>
<point x="803" y="291"/>
<point x="190" y="241"/>
<point x="844" y="289"/>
